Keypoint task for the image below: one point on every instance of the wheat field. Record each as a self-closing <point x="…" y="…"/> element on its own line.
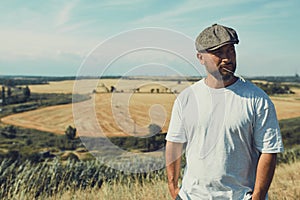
<point x="121" y="113"/>
<point x="114" y="114"/>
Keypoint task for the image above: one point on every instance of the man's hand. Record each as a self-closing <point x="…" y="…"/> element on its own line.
<point x="174" y="190"/>
<point x="173" y="160"/>
<point x="264" y="175"/>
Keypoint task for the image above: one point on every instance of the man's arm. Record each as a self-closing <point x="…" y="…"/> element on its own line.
<point x="264" y="175"/>
<point x="173" y="160"/>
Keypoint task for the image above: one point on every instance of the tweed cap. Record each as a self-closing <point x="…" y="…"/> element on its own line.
<point x="215" y="37"/>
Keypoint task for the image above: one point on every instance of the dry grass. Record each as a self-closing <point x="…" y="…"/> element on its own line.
<point x="116" y="191"/>
<point x="285" y="186"/>
<point x="286" y="182"/>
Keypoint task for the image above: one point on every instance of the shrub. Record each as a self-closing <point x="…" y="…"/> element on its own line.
<point x="70" y="132"/>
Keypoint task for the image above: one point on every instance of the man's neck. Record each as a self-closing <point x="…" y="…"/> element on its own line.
<point x="216" y="83"/>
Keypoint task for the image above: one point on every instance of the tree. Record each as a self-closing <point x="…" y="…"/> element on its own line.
<point x="9" y="82"/>
<point x="8" y="95"/>
<point x="3" y="95"/>
<point x="70" y="132"/>
<point x="154" y="129"/>
<point x="113" y="89"/>
<point x="9" y="92"/>
<point x="26" y="92"/>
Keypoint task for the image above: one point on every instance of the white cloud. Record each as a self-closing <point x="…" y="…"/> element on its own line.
<point x="64" y="14"/>
<point x="280" y="4"/>
<point x="119" y="3"/>
<point x="19" y="44"/>
<point x="75" y="26"/>
<point x="186" y="8"/>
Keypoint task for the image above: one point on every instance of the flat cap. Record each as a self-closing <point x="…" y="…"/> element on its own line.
<point x="215" y="37"/>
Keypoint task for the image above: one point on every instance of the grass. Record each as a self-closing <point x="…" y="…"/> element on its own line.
<point x="116" y="191"/>
<point x="290" y="129"/>
<point x="91" y="180"/>
<point x="60" y="179"/>
<point x="66" y="180"/>
<point x="286" y="182"/>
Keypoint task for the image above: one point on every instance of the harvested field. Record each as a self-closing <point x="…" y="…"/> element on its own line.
<point x="287" y="106"/>
<point x="121" y="113"/>
<point x="53" y="119"/>
<point x="115" y="117"/>
<point x="99" y="85"/>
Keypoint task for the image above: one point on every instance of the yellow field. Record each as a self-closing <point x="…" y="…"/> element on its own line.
<point x="88" y="85"/>
<point x="67" y="86"/>
<point x="117" y="114"/>
<point x="287" y="106"/>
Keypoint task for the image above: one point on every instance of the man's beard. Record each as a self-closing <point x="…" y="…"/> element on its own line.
<point x="227" y="77"/>
<point x="227" y="74"/>
<point x="219" y="75"/>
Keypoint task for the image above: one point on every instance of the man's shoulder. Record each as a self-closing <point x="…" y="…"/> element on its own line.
<point x="250" y="88"/>
<point x="256" y="95"/>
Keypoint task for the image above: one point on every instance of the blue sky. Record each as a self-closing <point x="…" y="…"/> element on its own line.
<point x="60" y="38"/>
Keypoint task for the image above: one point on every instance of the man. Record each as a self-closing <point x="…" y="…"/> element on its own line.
<point x="227" y="127"/>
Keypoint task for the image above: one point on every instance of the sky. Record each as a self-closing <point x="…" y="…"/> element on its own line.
<point x="136" y="37"/>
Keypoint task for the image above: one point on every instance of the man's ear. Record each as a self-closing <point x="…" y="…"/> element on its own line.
<point x="200" y="57"/>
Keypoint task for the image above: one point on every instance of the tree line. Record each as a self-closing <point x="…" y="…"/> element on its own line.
<point x="14" y="95"/>
<point x="275" y="88"/>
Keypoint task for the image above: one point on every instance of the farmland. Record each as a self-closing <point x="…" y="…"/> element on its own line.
<point x="142" y="107"/>
<point x="121" y="110"/>
<point x="117" y="113"/>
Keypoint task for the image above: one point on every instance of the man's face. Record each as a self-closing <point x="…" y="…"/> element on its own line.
<point x="215" y="61"/>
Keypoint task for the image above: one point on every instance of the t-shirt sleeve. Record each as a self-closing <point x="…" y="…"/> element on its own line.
<point x="176" y="131"/>
<point x="267" y="136"/>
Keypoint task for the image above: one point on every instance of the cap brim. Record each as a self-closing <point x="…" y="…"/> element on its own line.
<point x="220" y="45"/>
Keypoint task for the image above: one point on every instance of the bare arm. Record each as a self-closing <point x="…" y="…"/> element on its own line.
<point x="264" y="175"/>
<point x="173" y="160"/>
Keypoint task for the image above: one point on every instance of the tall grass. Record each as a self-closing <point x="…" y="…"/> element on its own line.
<point x="285" y="186"/>
<point x="286" y="182"/>
<point x="57" y="179"/>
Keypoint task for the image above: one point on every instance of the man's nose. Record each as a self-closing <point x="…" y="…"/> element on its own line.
<point x="226" y="57"/>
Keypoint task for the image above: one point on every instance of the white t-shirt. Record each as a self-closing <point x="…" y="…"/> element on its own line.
<point x="225" y="130"/>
